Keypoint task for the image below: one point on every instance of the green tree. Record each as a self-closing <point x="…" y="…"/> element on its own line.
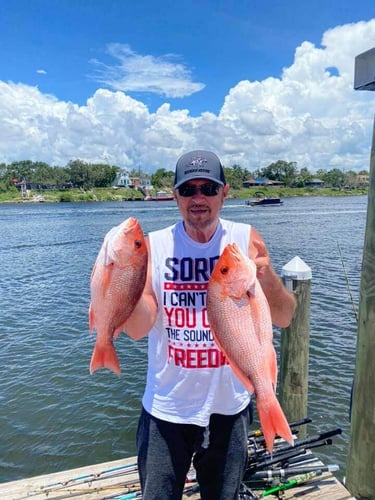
<point x="302" y="177"/>
<point x="335" y="178"/>
<point x="43" y="174"/>
<point x="162" y="178"/>
<point x="21" y="170"/>
<point x="235" y="176"/>
<point x="6" y="183"/>
<point x="282" y="171"/>
<point x="79" y="173"/>
<point x="102" y="175"/>
<point x="61" y="176"/>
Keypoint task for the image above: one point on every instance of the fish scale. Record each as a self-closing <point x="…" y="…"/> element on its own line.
<point x="241" y="324"/>
<point x="117" y="282"/>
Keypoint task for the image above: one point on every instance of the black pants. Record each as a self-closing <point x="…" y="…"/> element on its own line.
<point x="219" y="453"/>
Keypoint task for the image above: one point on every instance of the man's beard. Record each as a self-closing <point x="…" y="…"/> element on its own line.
<point x="200" y="223"/>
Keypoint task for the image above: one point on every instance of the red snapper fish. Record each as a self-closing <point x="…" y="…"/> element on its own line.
<point x="240" y="318"/>
<point x="117" y="282"/>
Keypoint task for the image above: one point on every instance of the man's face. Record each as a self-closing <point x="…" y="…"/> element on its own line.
<point x="201" y="205"/>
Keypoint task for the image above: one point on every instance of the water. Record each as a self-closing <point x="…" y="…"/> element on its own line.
<point x="55" y="416"/>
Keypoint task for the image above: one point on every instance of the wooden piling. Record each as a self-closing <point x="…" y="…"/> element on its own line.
<point x="360" y="477"/>
<point x="295" y="343"/>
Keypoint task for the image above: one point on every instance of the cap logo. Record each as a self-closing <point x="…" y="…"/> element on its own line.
<point x="198" y="161"/>
<point x="198" y="164"/>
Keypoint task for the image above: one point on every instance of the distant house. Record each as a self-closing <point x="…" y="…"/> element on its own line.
<point x="123" y="179"/>
<point x="261" y="181"/>
<point x="318" y="183"/>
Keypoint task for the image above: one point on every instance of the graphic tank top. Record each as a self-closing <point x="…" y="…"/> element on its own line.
<point x="188" y="377"/>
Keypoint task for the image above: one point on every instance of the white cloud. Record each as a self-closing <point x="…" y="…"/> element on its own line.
<point x="310" y="115"/>
<point x="136" y="73"/>
<point x="41" y="71"/>
<point x="314" y="116"/>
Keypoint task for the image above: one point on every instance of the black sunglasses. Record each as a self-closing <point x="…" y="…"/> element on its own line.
<point x="209" y="189"/>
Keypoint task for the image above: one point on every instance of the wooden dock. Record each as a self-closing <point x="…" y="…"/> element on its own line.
<point x="118" y="480"/>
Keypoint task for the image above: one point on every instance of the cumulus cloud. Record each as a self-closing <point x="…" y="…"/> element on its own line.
<point x="137" y="73"/>
<point x="310" y="115"/>
<point x="41" y="71"/>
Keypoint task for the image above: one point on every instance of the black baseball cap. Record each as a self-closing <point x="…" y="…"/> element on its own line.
<point x="199" y="165"/>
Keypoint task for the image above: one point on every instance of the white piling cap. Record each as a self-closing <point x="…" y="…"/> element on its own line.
<point x="296" y="269"/>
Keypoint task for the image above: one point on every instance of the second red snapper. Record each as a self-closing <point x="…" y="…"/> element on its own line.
<point x="117" y="282"/>
<point x="240" y="320"/>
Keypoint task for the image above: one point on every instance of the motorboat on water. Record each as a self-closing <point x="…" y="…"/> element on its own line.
<point x="160" y="196"/>
<point x="262" y="200"/>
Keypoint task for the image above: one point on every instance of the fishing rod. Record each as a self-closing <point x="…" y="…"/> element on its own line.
<point x="309" y="457"/>
<point x="305" y="458"/>
<point x="324" y="437"/>
<point x="271" y="474"/>
<point x="246" y="493"/>
<point x="297" y="423"/>
<point x="283" y="456"/>
<point x="282" y="459"/>
<point x="293" y="482"/>
<point x="121" y="470"/>
<point x="356" y="318"/>
<point x="129" y="488"/>
<point x="348" y="284"/>
<point x="265" y="464"/>
<point x="127" y="496"/>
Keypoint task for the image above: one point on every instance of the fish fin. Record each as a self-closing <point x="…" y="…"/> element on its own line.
<point x="273" y="422"/>
<point x="93" y="272"/>
<point x="91" y="318"/>
<point x="105" y="357"/>
<point x="256" y="313"/>
<point x="119" y="329"/>
<point x="273" y="366"/>
<point x="241" y="376"/>
<point x="244" y="379"/>
<point x="106" y="277"/>
<point x="270" y="356"/>
<point x="238" y="372"/>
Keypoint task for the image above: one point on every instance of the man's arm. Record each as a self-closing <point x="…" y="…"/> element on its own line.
<point x="144" y="314"/>
<point x="282" y="303"/>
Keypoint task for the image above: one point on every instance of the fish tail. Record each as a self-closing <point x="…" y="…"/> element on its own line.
<point x="105" y="357"/>
<point x="273" y="423"/>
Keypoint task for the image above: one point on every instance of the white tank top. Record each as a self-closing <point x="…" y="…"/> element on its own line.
<point x="188" y="377"/>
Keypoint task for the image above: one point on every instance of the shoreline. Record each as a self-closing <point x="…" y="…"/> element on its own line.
<point x="107" y="195"/>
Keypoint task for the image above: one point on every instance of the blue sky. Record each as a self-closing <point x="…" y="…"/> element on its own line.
<point x="141" y="82"/>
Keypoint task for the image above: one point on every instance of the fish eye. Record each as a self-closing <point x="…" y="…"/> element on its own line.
<point x="137" y="244"/>
<point x="224" y="270"/>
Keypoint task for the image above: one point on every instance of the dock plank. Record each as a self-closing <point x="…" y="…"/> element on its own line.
<point x="119" y="479"/>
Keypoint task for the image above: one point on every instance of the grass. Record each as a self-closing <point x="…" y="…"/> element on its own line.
<point x="124" y="194"/>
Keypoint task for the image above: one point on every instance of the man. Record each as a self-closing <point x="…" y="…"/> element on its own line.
<point x="194" y="406"/>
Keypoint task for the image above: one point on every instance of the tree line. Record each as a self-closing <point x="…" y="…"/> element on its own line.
<point x="81" y="174"/>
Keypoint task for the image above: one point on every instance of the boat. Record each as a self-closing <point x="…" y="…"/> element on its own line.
<point x="160" y="196"/>
<point x="38" y="198"/>
<point x="261" y="199"/>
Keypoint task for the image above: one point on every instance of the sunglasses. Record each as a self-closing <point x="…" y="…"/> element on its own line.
<point x="209" y="189"/>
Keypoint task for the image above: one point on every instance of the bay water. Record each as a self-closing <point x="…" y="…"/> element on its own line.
<point x="54" y="415"/>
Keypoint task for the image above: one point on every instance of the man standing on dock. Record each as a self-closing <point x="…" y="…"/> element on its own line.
<point x="194" y="406"/>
